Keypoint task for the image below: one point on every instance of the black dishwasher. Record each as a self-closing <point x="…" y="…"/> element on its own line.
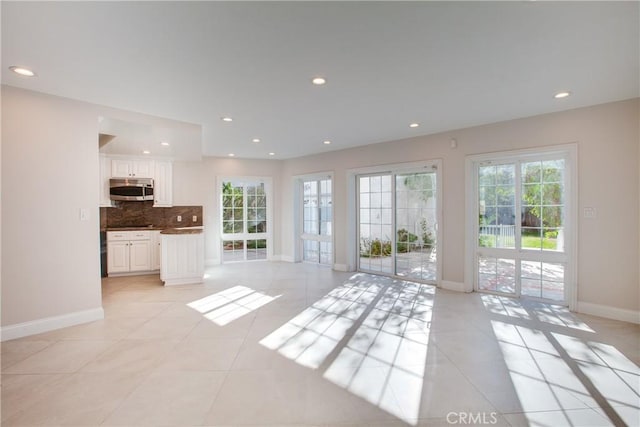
<point x="103" y="253"/>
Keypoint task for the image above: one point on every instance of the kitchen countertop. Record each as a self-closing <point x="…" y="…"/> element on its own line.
<point x="133" y="228"/>
<point x="152" y="228"/>
<point x="191" y="230"/>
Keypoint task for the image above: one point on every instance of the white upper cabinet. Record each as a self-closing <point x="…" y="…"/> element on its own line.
<point x="105" y="174"/>
<point x="163" y="184"/>
<point x="122" y="168"/>
<point x="142" y="168"/>
<point x="160" y="170"/>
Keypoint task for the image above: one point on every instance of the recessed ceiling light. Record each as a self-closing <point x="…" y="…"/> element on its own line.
<point x="146" y="152"/>
<point x="255" y="140"/>
<point x="414" y="125"/>
<point x="318" y="81"/>
<point x="272" y="154"/>
<point x="22" y="71"/>
<point x="164" y="143"/>
<point x="231" y="155"/>
<point x="326" y="142"/>
<point x="227" y="119"/>
<point x="561" y="95"/>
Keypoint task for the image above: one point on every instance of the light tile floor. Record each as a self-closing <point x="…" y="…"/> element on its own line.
<point x="296" y="344"/>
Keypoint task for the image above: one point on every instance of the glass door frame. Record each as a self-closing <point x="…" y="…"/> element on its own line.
<point x="353" y="175"/>
<point x="268" y="236"/>
<point x="568" y="152"/>
<point x="298" y="217"/>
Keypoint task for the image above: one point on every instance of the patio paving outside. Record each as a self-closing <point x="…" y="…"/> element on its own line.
<point x="540" y="280"/>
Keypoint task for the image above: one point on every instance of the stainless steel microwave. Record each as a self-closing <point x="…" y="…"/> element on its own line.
<point x="131" y="189"/>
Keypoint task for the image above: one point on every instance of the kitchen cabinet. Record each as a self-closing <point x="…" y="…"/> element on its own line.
<point x="182" y="257"/>
<point x="128" y="251"/>
<point x="117" y="257"/>
<point x="163" y="184"/>
<point x="140" y="255"/>
<point x="155" y="250"/>
<point x="125" y="168"/>
<point x="105" y="174"/>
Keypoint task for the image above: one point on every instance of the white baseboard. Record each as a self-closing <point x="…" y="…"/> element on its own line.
<point x="47" y="324"/>
<point x="341" y="267"/>
<point x="134" y="273"/>
<point x="452" y="286"/>
<point x="196" y="280"/>
<point x="609" y="312"/>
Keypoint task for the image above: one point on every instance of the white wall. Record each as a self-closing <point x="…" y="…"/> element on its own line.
<point x="50" y="259"/>
<point x="608" y="144"/>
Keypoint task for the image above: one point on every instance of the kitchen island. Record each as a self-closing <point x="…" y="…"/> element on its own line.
<point x="182" y="256"/>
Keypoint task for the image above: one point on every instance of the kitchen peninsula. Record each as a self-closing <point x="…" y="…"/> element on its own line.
<point x="182" y="259"/>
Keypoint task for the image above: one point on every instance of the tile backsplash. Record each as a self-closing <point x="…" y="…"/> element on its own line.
<point x="142" y="214"/>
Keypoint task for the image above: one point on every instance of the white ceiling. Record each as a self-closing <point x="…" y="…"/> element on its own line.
<point x="446" y="65"/>
<point x="143" y="138"/>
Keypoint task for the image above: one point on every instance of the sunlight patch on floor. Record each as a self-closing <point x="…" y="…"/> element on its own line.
<point x="368" y="336"/>
<point x="226" y="306"/>
<point x="554" y="371"/>
<point x="530" y="310"/>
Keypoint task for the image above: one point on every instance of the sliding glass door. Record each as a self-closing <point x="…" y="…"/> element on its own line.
<point x="375" y="223"/>
<point x="397" y="224"/>
<point x="415" y="226"/>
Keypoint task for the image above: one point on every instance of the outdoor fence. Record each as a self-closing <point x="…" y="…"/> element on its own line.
<point x="505" y="235"/>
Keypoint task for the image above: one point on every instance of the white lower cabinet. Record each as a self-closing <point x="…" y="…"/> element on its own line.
<point x="128" y="251"/>
<point x="155" y="250"/>
<point x="140" y="255"/>
<point x="117" y="257"/>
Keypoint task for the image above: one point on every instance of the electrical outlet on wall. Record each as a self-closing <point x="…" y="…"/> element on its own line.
<point x="179" y="219"/>
<point x="195" y="218"/>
